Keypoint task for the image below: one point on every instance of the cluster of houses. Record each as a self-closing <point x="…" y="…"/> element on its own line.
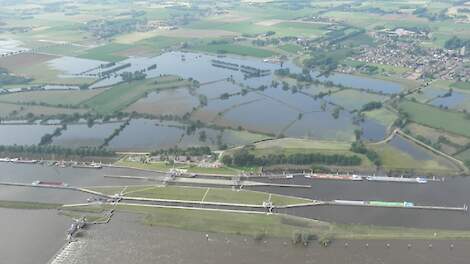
<point x="402" y="48"/>
<point x="203" y="161"/>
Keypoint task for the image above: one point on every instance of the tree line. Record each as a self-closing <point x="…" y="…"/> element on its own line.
<point x="245" y="158"/>
<point x="54" y="149"/>
<point x="191" y="151"/>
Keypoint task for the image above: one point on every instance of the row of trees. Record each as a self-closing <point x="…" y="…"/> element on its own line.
<point x="359" y="147"/>
<point x="191" y="151"/>
<point x="57" y="150"/>
<point x="47" y="138"/>
<point x="245" y="158"/>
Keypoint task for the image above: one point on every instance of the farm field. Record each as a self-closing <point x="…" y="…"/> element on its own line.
<point x="397" y="160"/>
<point x="237" y="49"/>
<point x="124" y="94"/>
<point x="437" y="118"/>
<point x="106" y="53"/>
<point x="50" y="97"/>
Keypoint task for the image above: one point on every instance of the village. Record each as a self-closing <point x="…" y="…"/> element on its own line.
<point x="403" y="48"/>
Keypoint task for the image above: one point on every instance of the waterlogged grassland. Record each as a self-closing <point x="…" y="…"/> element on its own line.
<point x="437" y="118"/>
<point x="122" y="95"/>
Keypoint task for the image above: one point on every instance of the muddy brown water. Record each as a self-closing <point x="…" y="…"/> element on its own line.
<point x="125" y="240"/>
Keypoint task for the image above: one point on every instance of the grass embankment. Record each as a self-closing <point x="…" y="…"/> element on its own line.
<point x="225" y="222"/>
<point x="122" y="95"/>
<point x="437" y="118"/>
<point x="162" y="166"/>
<point x="276" y="225"/>
<point x="28" y="205"/>
<point x="202" y="194"/>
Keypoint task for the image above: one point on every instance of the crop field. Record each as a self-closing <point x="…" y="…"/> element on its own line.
<point x="434" y="117"/>
<point x="50" y="97"/>
<point x="122" y="95"/>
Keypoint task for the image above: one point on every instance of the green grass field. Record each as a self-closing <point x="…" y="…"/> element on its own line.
<point x="202" y="194"/>
<point x="394" y="159"/>
<point x="461" y="85"/>
<point x="291" y="48"/>
<point x="353" y="99"/>
<point x="237" y="49"/>
<point x="106" y="52"/>
<point x="225" y="222"/>
<point x="122" y="95"/>
<point x="27" y="205"/>
<point x="438" y="118"/>
<point x="383" y="116"/>
<point x="289" y="146"/>
<point x="276" y="225"/>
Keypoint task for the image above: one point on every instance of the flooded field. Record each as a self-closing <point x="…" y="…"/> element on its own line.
<point x="27" y="134"/>
<point x="234" y="104"/>
<point x="124" y="240"/>
<point x="31" y="236"/>
<point x="82" y="135"/>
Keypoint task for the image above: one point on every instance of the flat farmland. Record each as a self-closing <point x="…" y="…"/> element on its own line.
<point x="36" y="66"/>
<point x="174" y="101"/>
<point x="15" y="63"/>
<point x="237" y="49"/>
<point x="106" y="52"/>
<point x="427" y="115"/>
<point x="50" y="97"/>
<point x="122" y="95"/>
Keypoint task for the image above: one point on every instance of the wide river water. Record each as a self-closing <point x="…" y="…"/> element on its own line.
<point x="452" y="192"/>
